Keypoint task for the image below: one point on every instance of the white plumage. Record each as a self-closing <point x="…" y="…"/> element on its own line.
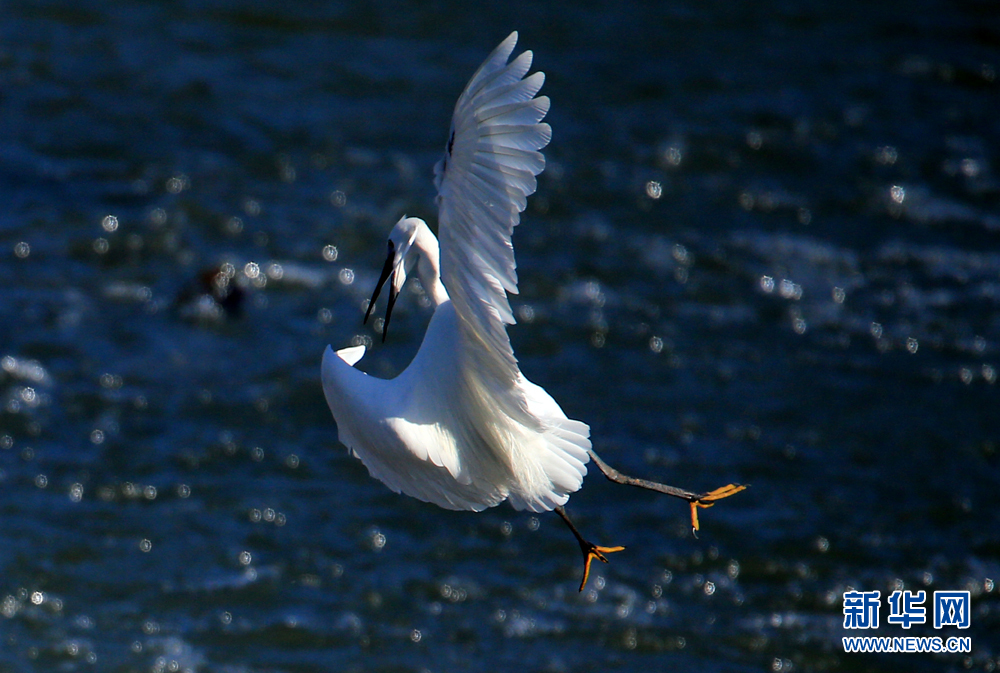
<point x="461" y="427"/>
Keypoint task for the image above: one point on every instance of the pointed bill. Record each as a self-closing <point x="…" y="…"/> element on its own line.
<point x="386" y="272"/>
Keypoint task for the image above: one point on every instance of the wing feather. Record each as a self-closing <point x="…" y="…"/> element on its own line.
<point x="517" y="113"/>
<point x="484" y="181"/>
<point x="513" y="92"/>
<point x="521" y="137"/>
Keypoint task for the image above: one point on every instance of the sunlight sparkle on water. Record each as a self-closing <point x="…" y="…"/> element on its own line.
<point x="275" y="271"/>
<point x="672" y="156"/>
<point x="886" y="155"/>
<point x="361" y="340"/>
<point x="30" y="370"/>
<point x="376" y="539"/>
<point x="251" y="207"/>
<point x="989" y="374"/>
<point x="789" y="289"/>
<point x="178" y="184"/>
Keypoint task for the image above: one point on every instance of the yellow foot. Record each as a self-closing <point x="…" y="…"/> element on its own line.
<point x="709" y="499"/>
<point x="590" y="552"/>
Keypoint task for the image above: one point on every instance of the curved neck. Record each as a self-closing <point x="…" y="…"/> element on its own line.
<point x="428" y="255"/>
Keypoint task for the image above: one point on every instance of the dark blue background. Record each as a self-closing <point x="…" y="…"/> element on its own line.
<point x="809" y="305"/>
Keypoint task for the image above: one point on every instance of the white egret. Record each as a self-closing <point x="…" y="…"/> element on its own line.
<point x="461" y="427"/>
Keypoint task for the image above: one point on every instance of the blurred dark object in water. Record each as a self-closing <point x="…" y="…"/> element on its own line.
<point x="213" y="296"/>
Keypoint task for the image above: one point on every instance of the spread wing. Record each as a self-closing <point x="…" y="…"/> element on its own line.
<point x="483" y="182"/>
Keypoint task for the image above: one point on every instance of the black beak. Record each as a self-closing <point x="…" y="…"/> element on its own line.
<point x="388" y="307"/>
<point x="387" y="272"/>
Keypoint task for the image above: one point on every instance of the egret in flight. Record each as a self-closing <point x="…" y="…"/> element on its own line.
<point x="461" y="427"/>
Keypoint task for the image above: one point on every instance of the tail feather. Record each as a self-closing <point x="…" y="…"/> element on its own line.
<point x="561" y="453"/>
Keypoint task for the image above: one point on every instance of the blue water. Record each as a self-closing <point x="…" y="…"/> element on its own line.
<point x="766" y="250"/>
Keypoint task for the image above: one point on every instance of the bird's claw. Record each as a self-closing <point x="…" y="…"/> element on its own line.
<point x="706" y="500"/>
<point x="590" y="552"/>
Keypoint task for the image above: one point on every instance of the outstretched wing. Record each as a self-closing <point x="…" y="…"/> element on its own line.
<point x="483" y="182"/>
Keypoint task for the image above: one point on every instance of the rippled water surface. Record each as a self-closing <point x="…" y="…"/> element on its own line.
<point x="766" y="249"/>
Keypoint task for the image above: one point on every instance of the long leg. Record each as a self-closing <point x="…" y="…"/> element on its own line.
<point x="695" y="499"/>
<point x="590" y="551"/>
